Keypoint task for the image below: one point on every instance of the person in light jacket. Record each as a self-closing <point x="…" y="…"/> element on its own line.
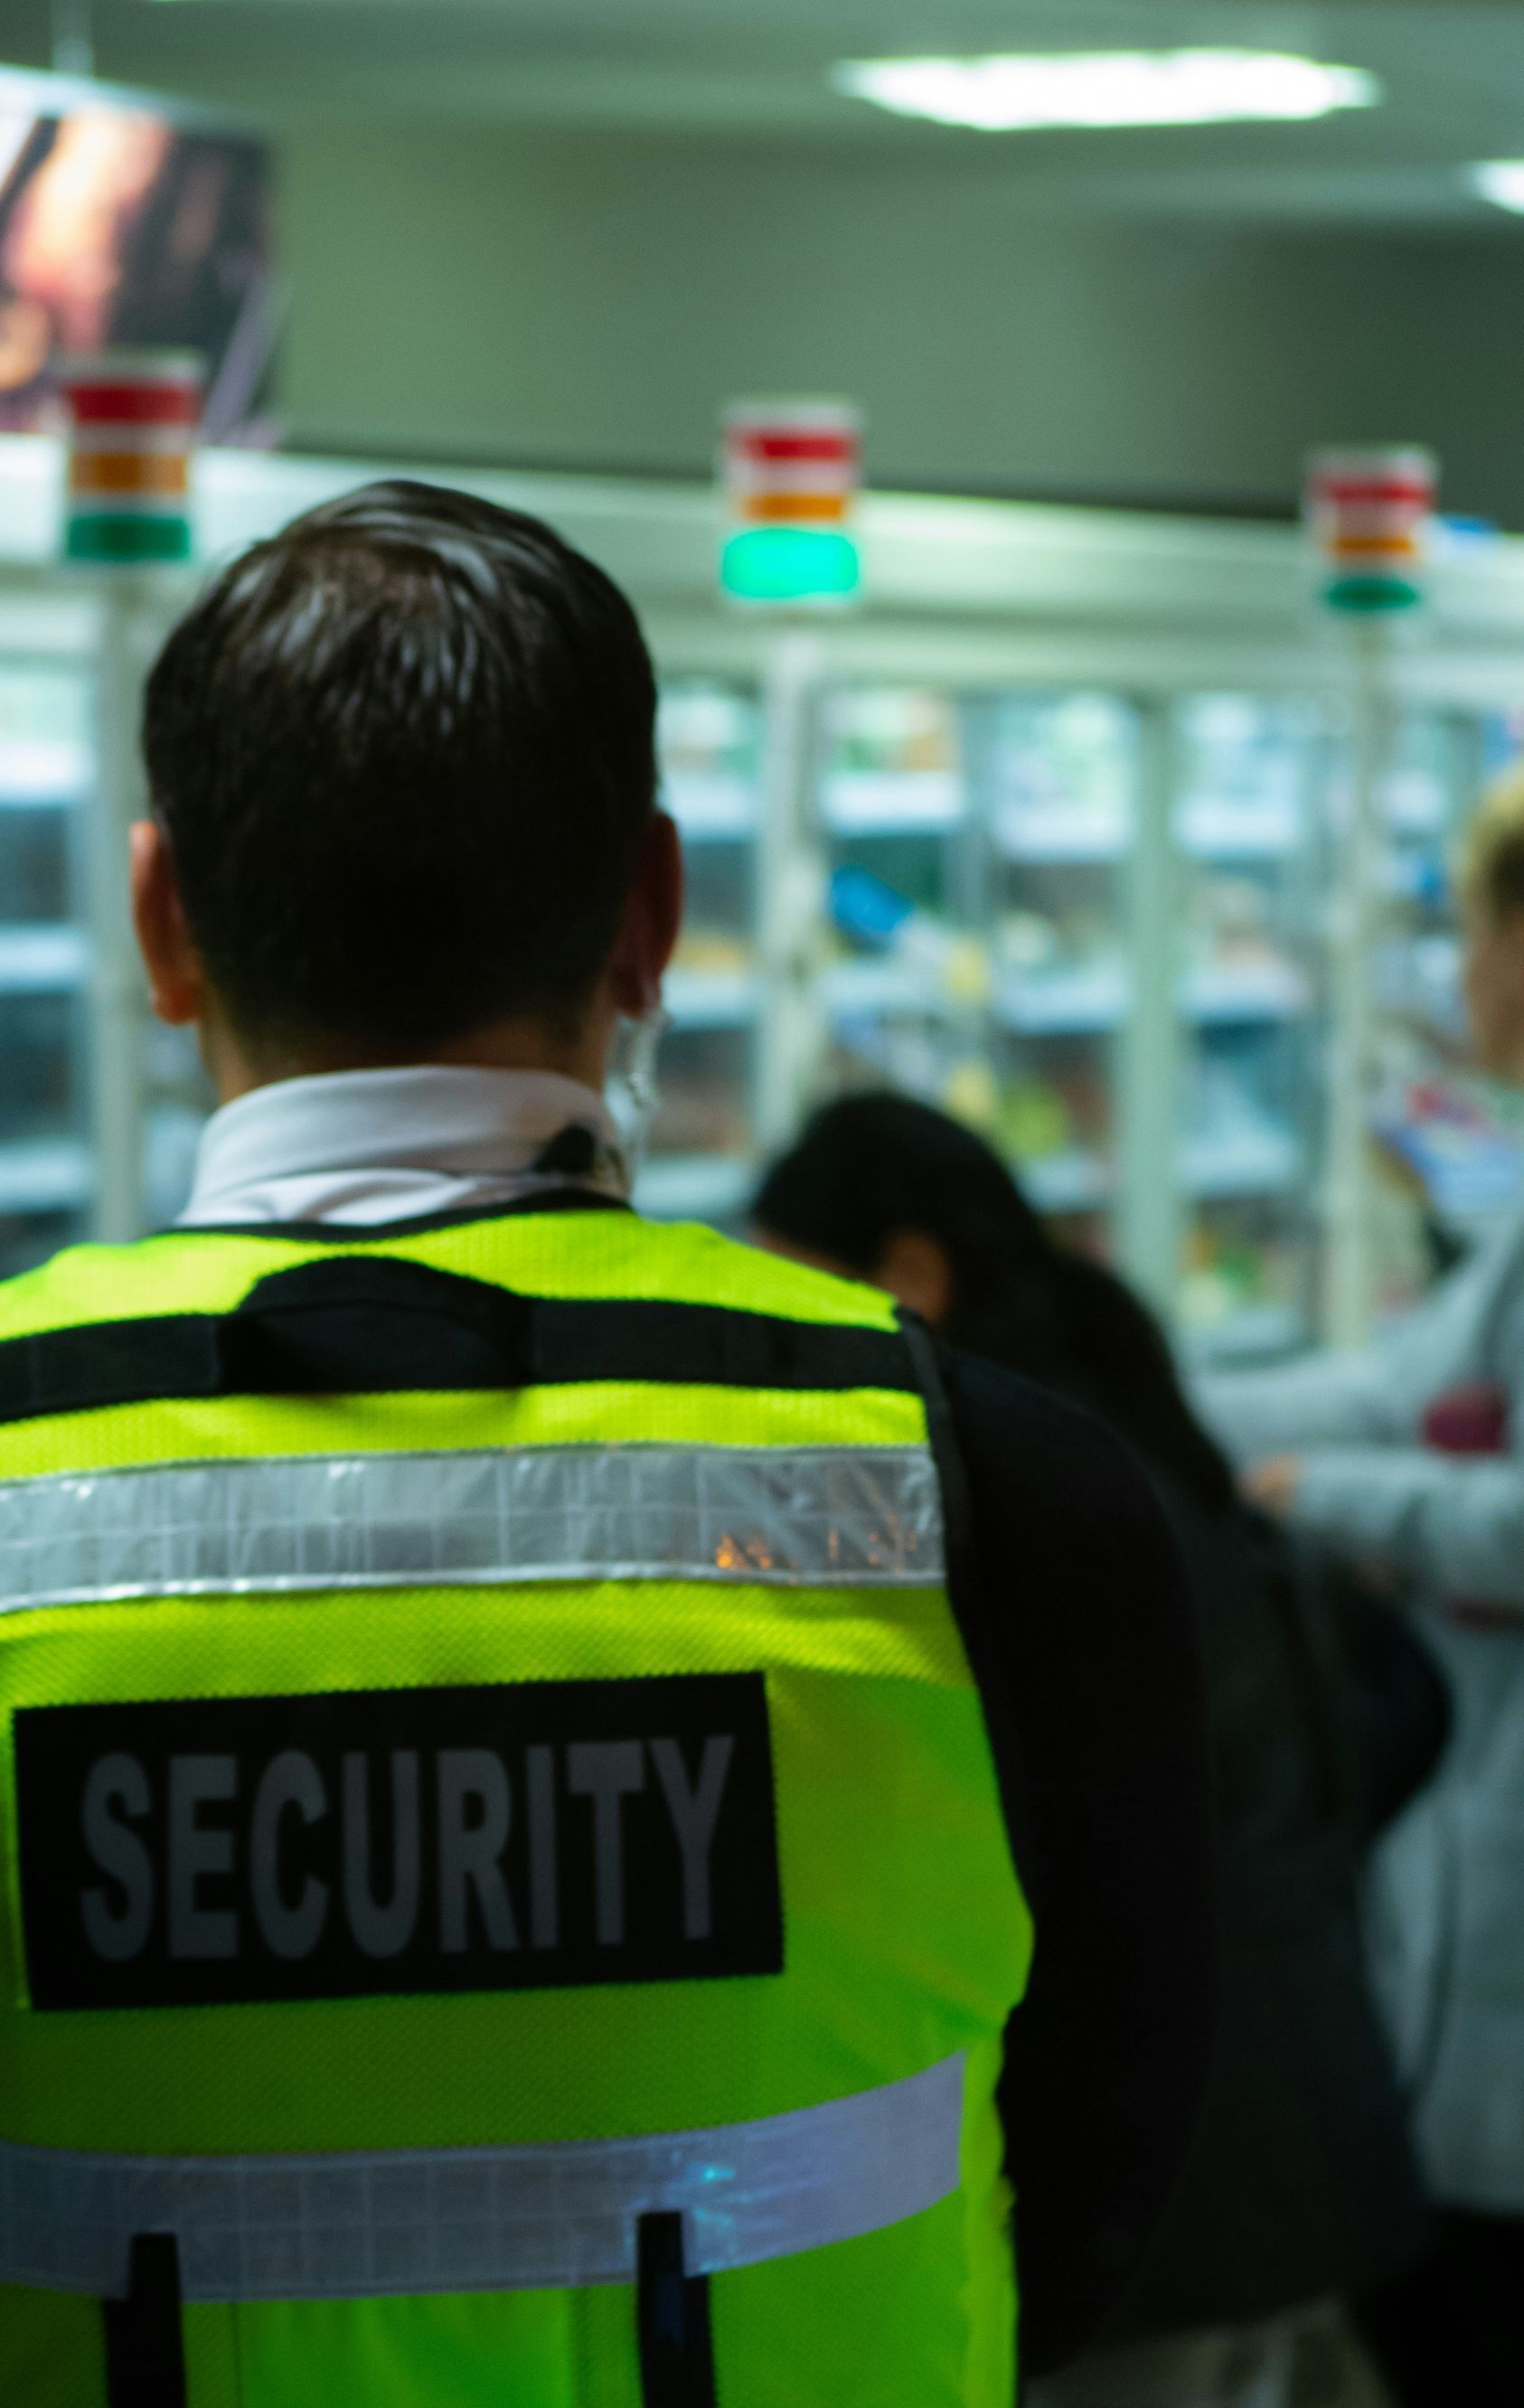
<point x="1409" y="1456"/>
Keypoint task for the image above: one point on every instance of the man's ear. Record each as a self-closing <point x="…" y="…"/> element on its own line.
<point x="651" y="918"/>
<point x="176" y="980"/>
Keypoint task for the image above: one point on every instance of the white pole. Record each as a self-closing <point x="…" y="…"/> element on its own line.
<point x="1148" y="1059"/>
<point x="791" y="938"/>
<point x="117" y="1003"/>
<point x="1349" y="1300"/>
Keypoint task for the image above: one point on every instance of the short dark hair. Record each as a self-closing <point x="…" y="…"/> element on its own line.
<point x="869" y="1164"/>
<point x="404" y="755"/>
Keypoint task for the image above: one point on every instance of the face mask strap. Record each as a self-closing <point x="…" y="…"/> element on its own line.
<point x="634" y="1091"/>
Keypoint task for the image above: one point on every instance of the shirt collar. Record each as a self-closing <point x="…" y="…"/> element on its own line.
<point x="352" y="1140"/>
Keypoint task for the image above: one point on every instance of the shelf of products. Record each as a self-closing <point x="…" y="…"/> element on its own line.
<point x="45" y="772"/>
<point x="1082" y="881"/>
<point x="701" y="1162"/>
<point x="907" y="995"/>
<point x="1058" y="783"/>
<point x="1246" y="830"/>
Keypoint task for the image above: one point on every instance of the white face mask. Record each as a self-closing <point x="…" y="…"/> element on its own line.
<point x="631" y="1090"/>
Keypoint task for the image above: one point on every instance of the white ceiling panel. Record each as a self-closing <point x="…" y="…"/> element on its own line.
<point x="1453" y="74"/>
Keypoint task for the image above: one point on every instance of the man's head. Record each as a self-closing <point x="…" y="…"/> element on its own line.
<point x="1492" y="900"/>
<point x="401" y="761"/>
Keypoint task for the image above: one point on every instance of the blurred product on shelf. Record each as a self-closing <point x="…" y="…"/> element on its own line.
<point x="1240" y="1289"/>
<point x="715" y="952"/>
<point x="1035" y="1121"/>
<point x="1232" y="921"/>
<point x="1061" y="781"/>
<point x="938" y="963"/>
<point x="889" y="733"/>
<point x="707" y="736"/>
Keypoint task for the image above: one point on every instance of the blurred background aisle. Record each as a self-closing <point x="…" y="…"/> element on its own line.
<point x="1050" y="828"/>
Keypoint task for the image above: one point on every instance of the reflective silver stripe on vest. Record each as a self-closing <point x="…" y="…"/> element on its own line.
<point x="834" y="1516"/>
<point x="400" y="2222"/>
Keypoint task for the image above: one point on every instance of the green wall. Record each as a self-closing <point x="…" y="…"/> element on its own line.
<point x="574" y="299"/>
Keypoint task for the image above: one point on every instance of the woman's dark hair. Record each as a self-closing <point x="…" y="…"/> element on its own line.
<point x="404" y="752"/>
<point x="873" y="1165"/>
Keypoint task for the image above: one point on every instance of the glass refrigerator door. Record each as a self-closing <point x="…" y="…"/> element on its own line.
<point x="1250" y="1075"/>
<point x="701" y="1159"/>
<point x="46" y="773"/>
<point x="907" y="989"/>
<point x="1057" y="775"/>
<point x="1449" y="1143"/>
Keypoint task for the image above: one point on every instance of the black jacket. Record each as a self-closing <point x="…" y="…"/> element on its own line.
<point x="1083" y="1637"/>
<point x="1324" y="1715"/>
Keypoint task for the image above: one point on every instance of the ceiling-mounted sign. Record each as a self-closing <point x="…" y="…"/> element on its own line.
<point x="1371" y="514"/>
<point x="133" y="417"/>
<point x="128" y="220"/>
<point x="791" y="472"/>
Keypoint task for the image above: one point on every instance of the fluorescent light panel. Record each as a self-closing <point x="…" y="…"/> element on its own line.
<point x="1097" y="88"/>
<point x="1501" y="181"/>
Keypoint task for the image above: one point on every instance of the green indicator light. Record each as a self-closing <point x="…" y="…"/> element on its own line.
<point x="127" y="535"/>
<point x="785" y="564"/>
<point x="1363" y="596"/>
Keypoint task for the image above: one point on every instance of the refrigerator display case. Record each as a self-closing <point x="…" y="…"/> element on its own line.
<point x="47" y="772"/>
<point x="700" y="1161"/>
<point x="908" y="983"/>
<point x="1054" y="830"/>
<point x="1250" y="873"/>
<point x="1058" y="778"/>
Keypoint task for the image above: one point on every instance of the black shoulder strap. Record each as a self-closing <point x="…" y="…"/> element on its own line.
<point x="145" y="2350"/>
<point x="369" y="1324"/>
<point x="671" y="2306"/>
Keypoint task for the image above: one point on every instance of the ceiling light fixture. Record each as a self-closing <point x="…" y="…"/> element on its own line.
<point x="1097" y="88"/>
<point x="1500" y="182"/>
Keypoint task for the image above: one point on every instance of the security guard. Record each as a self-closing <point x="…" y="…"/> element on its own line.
<point x="509" y="1789"/>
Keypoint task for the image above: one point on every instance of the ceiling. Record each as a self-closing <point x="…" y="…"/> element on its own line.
<point x="755" y="70"/>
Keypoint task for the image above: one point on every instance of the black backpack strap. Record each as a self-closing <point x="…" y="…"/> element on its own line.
<point x="145" y="2349"/>
<point x="677" y="2353"/>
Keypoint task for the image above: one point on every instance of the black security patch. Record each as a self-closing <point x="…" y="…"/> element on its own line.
<point x="546" y="1833"/>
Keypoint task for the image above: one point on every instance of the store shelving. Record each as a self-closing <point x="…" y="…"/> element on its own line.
<point x="46" y="767"/>
<point x="1066" y="1183"/>
<point x="1245" y="823"/>
<point x="42" y="960"/>
<point x="1088" y="780"/>
<point x="703" y="1145"/>
<point x="696" y="1187"/>
<point x="1087" y="1000"/>
<point x="905" y="995"/>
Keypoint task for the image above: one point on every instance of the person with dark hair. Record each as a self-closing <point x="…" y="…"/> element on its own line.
<point x="1324" y="1718"/>
<point x="518" y="1845"/>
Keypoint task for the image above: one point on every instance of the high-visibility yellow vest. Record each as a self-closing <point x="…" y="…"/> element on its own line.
<point x="505" y="1889"/>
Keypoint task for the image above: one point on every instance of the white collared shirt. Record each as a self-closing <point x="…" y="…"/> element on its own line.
<point x="369" y="1146"/>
